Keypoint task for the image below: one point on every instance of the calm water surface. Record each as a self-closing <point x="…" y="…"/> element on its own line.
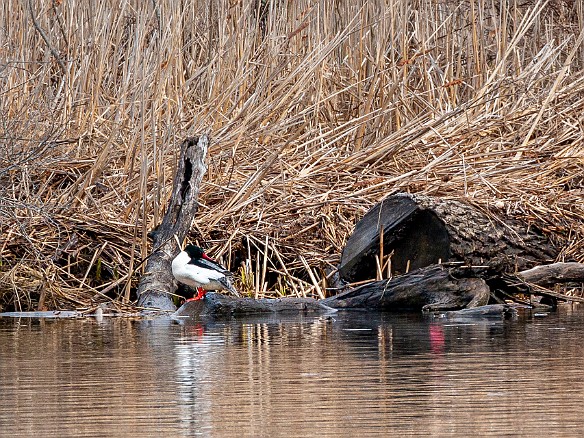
<point x="354" y="375"/>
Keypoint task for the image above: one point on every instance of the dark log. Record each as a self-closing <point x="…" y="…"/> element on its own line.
<point x="434" y="287"/>
<point x="218" y="305"/>
<point x="423" y="230"/>
<point x="157" y="282"/>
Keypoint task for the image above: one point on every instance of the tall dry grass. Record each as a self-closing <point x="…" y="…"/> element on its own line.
<point x="316" y="110"/>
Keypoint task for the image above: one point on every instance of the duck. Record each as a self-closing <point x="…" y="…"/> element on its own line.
<point x="196" y="269"/>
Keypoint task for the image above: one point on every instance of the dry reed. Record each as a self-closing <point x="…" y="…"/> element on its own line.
<point x="316" y="112"/>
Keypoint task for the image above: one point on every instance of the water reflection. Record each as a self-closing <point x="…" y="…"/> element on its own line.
<point x="354" y="374"/>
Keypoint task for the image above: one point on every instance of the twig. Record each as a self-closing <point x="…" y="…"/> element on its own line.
<point x="46" y="38"/>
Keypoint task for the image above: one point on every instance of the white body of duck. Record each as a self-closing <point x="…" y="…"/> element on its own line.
<point x="194" y="268"/>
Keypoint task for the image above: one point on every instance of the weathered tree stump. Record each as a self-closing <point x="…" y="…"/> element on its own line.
<point x="421" y="230"/>
<point x="158" y="282"/>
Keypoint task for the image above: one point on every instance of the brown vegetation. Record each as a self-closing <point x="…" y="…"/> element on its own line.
<point x="316" y="110"/>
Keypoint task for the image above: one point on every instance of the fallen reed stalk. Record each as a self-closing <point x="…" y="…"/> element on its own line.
<point x="315" y="114"/>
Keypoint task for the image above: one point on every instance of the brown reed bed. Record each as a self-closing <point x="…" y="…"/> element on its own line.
<point x="316" y="112"/>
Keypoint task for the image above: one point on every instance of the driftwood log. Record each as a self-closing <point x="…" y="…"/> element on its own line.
<point x="157" y="283"/>
<point x="441" y="288"/>
<point x="434" y="287"/>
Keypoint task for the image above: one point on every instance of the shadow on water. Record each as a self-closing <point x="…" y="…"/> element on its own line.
<point x="354" y="373"/>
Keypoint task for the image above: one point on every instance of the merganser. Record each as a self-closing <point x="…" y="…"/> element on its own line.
<point x="196" y="269"/>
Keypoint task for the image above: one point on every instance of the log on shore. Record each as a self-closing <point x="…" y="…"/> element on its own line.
<point x="434" y="287"/>
<point x="422" y="230"/>
<point x="460" y="291"/>
<point x="217" y="305"/>
<point x="157" y="283"/>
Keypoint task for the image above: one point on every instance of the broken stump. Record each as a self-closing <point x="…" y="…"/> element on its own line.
<point x="157" y="283"/>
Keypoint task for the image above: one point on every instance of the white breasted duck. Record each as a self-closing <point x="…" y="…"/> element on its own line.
<point x="194" y="268"/>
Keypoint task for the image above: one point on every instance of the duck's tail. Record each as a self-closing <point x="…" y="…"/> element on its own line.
<point x="228" y="286"/>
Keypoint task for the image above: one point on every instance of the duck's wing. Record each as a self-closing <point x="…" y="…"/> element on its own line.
<point x="210" y="264"/>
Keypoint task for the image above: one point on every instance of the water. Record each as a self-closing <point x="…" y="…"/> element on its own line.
<point x="354" y="375"/>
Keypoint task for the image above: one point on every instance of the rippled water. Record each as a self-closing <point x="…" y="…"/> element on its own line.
<point x="354" y="375"/>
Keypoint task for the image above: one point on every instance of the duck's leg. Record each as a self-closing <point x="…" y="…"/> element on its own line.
<point x="200" y="294"/>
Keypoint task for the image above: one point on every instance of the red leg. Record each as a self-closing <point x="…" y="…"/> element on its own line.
<point x="200" y="294"/>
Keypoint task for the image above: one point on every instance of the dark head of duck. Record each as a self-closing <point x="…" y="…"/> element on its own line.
<point x="195" y="252"/>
